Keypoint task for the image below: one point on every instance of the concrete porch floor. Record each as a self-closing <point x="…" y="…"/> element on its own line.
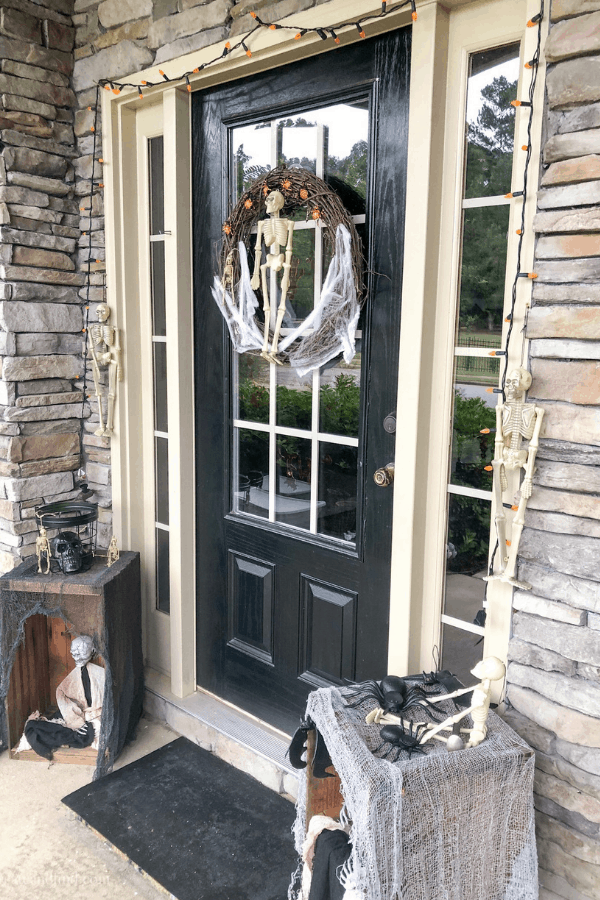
<point x="45" y="851"/>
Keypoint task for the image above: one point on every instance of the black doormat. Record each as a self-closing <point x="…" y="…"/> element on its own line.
<point x="200" y="828"/>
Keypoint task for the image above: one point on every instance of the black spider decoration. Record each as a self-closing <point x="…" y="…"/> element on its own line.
<point x="321" y="759"/>
<point x="444" y="682"/>
<point x="402" y="738"/>
<point x="393" y="695"/>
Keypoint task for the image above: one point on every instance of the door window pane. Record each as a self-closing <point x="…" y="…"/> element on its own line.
<point x="251" y="488"/>
<point x="293" y="491"/>
<point x="293" y="479"/>
<point x="338" y="483"/>
<point x="252" y="396"/>
<point x="340" y="397"/>
<point x="490" y="121"/>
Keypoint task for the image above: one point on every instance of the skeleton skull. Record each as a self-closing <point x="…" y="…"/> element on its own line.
<point x="67" y="551"/>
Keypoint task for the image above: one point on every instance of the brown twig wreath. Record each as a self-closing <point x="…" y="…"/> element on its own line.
<point x="301" y="189"/>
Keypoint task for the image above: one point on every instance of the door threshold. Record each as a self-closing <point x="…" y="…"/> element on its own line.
<point x="241" y="740"/>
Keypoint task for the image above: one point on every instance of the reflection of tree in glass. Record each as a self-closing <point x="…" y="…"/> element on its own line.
<point x="490" y="141"/>
<point x="246" y="174"/>
<point x="352" y="169"/>
<point x="489" y="165"/>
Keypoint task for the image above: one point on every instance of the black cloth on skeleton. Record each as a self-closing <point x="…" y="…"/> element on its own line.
<point x="45" y="737"/>
<point x="332" y="849"/>
<point x="87" y="688"/>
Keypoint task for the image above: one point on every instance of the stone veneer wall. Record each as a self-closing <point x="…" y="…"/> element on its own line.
<point x="554" y="669"/>
<point x="40" y="311"/>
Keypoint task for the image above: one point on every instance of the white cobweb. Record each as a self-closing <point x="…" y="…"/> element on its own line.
<point x="445" y="826"/>
<point x="328" y="331"/>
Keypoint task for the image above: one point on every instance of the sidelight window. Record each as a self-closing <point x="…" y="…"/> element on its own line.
<point x="159" y="359"/>
<point x="488" y="162"/>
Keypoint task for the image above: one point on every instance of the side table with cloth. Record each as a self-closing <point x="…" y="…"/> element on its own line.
<point x="439" y="826"/>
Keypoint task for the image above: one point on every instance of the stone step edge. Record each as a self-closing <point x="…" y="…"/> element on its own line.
<point x="266" y="763"/>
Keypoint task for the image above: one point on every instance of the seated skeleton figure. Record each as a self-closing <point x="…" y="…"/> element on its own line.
<point x="79" y="697"/>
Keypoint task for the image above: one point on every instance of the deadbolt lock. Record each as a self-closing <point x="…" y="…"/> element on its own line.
<point x="384" y="477"/>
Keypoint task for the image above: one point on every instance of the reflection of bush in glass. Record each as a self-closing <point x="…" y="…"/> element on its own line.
<point x="468" y="517"/>
<point x="340" y="406"/>
<point x="471" y="450"/>
<point x="469" y="532"/>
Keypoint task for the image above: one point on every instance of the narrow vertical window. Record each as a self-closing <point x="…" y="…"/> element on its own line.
<point x="489" y="130"/>
<point x="159" y="358"/>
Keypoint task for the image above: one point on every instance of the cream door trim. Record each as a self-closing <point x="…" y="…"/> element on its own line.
<point x="424" y="355"/>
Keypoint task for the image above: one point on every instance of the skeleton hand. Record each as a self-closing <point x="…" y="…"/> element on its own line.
<point x="120" y="373"/>
<point x="526" y="488"/>
<point x="255" y="282"/>
<point x="503" y="480"/>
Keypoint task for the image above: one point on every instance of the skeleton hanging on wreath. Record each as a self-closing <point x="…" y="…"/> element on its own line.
<point x="276" y="233"/>
<point x="105" y="348"/>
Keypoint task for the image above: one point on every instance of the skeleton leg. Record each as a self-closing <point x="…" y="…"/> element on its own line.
<point x="281" y="309"/>
<point x="266" y="308"/>
<point x="508" y="574"/>
<point x="96" y="373"/>
<point x="112" y="392"/>
<point x="447" y="723"/>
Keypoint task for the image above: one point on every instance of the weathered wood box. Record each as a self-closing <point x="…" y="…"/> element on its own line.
<point x="47" y="611"/>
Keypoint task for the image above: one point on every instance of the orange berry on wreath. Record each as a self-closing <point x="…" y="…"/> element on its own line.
<point x="227" y="228"/>
<point x="266" y="189"/>
<point x="303" y="194"/>
<point x="316" y="213"/>
<point x="286" y="185"/>
<point x="248" y="204"/>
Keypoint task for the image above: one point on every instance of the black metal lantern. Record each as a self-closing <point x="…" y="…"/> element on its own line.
<point x="73" y="523"/>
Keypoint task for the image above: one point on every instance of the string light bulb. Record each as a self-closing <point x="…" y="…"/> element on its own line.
<point x="334" y="36"/>
<point x="517" y="103"/>
<point x="248" y="52"/>
<point x="360" y="29"/>
<point x="413" y="7"/>
<point x="534" y="20"/>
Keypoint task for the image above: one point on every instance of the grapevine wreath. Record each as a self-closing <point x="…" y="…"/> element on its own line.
<point x="329" y="330"/>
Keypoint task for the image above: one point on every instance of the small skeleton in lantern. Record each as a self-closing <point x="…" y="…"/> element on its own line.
<point x="105" y="348"/>
<point x="515" y="421"/>
<point x="42" y="547"/>
<point x="112" y="553"/>
<point x="276" y="233"/>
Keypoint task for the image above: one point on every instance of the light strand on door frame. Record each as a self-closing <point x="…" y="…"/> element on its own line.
<point x="531" y="66"/>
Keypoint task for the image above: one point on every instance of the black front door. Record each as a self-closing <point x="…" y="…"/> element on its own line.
<point x="293" y="534"/>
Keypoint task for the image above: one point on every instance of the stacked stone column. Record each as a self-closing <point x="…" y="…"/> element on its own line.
<point x="40" y="308"/>
<point x="554" y="673"/>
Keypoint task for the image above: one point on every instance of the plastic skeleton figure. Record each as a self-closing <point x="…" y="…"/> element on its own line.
<point x="515" y="421"/>
<point x="105" y="348"/>
<point x="488" y="670"/>
<point x="277" y="233"/>
<point x="42" y="546"/>
<point x="112" y="554"/>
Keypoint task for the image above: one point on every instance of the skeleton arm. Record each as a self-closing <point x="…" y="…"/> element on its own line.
<point x="117" y="352"/>
<point x="285" y="281"/>
<point x="527" y="486"/>
<point x="255" y="280"/>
